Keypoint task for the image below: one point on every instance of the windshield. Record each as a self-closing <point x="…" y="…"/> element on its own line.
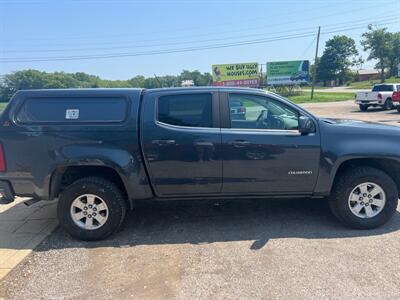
<point x="383" y="88"/>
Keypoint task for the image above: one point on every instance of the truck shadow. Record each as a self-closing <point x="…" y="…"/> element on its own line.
<point x="210" y="221"/>
<point x="370" y="110"/>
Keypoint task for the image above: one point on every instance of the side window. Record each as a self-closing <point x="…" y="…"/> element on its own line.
<point x="193" y="110"/>
<point x="398" y="87"/>
<point x="73" y="110"/>
<point x="257" y="112"/>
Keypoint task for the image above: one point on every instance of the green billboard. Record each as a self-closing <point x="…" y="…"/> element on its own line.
<point x="288" y="72"/>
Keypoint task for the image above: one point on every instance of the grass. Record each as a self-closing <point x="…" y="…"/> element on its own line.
<point x="321" y="97"/>
<point x="368" y="84"/>
<point x="2" y="106"/>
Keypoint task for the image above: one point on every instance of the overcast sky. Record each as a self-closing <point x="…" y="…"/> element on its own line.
<point x="120" y="39"/>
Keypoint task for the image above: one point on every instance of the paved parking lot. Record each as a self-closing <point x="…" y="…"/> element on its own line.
<point x="348" y="110"/>
<point x="243" y="249"/>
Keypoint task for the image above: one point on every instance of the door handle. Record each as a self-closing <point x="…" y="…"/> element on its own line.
<point x="240" y="143"/>
<point x="203" y="144"/>
<point x="164" y="142"/>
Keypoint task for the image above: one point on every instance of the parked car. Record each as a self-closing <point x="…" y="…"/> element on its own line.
<point x="238" y="110"/>
<point x="384" y="95"/>
<point x="99" y="151"/>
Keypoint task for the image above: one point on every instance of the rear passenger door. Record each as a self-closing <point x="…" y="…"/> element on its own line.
<point x="181" y="141"/>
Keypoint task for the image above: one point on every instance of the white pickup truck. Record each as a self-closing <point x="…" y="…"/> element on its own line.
<point x="386" y="95"/>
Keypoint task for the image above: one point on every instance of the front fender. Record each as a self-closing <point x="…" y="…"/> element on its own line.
<point x="341" y="144"/>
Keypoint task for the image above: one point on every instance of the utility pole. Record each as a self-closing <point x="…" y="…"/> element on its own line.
<point x="315" y="64"/>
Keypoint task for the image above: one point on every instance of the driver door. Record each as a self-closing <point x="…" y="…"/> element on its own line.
<point x="263" y="151"/>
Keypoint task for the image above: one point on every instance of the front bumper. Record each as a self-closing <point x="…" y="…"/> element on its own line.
<point x="6" y="192"/>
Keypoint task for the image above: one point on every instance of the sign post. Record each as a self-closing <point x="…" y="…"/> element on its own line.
<point x="315" y="64"/>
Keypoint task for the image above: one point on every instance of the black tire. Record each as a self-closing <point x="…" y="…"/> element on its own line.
<point x="363" y="107"/>
<point x="398" y="108"/>
<point x="345" y="184"/>
<point x="388" y="104"/>
<point x="102" y="188"/>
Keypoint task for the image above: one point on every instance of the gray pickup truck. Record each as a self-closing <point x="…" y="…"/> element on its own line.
<point x="98" y="151"/>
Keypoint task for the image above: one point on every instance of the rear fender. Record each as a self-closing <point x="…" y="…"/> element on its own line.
<point x="128" y="167"/>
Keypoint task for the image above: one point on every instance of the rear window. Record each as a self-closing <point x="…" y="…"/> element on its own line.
<point x="193" y="110"/>
<point x="73" y="110"/>
<point x="383" y="88"/>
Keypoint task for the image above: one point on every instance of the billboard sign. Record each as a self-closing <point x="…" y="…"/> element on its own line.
<point x="244" y="74"/>
<point x="288" y="72"/>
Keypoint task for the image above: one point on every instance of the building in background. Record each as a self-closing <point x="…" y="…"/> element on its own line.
<point x="187" y="83"/>
<point x="365" y="75"/>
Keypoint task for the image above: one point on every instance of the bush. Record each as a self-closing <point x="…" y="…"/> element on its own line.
<point x="287" y="91"/>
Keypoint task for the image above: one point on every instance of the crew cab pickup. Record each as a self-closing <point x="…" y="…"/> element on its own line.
<point x="99" y="151"/>
<point x="384" y="95"/>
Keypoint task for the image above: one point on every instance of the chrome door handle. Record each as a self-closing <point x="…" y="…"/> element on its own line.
<point x="240" y="143"/>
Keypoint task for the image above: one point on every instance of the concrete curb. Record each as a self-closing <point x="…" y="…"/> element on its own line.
<point x="22" y="228"/>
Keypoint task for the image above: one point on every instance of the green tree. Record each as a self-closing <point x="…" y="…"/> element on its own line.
<point x="339" y="55"/>
<point x="33" y="79"/>
<point x="378" y="42"/>
<point x="28" y="79"/>
<point x="137" y="81"/>
<point x="151" y="83"/>
<point x="394" y="54"/>
<point x="198" y="78"/>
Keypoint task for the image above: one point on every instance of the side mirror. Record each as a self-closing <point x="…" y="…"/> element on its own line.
<point x="306" y="125"/>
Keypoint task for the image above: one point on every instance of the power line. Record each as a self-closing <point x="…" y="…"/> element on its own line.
<point x="169" y="30"/>
<point x="235" y="31"/>
<point x="166" y="51"/>
<point x="332" y="26"/>
<point x="307" y="48"/>
<point x="175" y="50"/>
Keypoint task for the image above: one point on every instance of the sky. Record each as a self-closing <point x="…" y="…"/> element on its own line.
<point x="123" y="38"/>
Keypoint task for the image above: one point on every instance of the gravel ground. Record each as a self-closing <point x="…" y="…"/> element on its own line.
<point x="243" y="249"/>
<point x="275" y="249"/>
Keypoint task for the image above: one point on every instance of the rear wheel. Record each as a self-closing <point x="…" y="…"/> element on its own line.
<point x="398" y="108"/>
<point x="364" y="198"/>
<point x="363" y="107"/>
<point x="91" y="208"/>
<point x="388" y="104"/>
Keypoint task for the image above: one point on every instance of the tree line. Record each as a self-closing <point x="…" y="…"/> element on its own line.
<point x="34" y="79"/>
<point x="339" y="56"/>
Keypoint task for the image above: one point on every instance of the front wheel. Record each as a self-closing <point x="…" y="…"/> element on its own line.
<point x="91" y="209"/>
<point x="364" y="198"/>
<point x="363" y="107"/>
